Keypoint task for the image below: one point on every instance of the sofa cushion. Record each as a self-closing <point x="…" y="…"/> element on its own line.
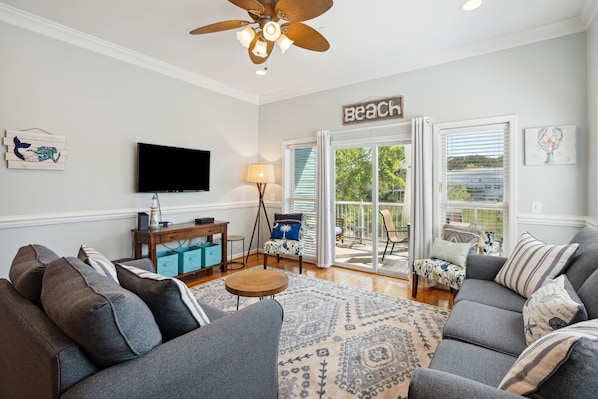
<point x="564" y="358"/>
<point x="585" y="260"/>
<point x="532" y="263"/>
<point x="27" y="270"/>
<point x="587" y="294"/>
<point x="98" y="261"/>
<point x="490" y="293"/>
<point x="471" y="361"/>
<point x="109" y="322"/>
<point x="452" y="252"/>
<point x="486" y="326"/>
<point x="175" y="309"/>
<point x="552" y="306"/>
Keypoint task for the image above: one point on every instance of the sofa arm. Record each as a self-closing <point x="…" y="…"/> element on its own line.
<point x="483" y="267"/>
<point x="429" y="383"/>
<point x="233" y="357"/>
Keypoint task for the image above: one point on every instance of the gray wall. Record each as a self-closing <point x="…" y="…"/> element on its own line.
<point x="542" y="83"/>
<point x="104" y="107"/>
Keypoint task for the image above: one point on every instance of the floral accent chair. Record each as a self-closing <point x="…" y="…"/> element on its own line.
<point x="287" y="238"/>
<point x="446" y="262"/>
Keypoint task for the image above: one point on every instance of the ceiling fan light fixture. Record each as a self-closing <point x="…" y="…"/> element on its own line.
<point x="260" y="49"/>
<point x="245" y="37"/>
<point x="471" y="5"/>
<point x="284" y="42"/>
<point x="271" y="31"/>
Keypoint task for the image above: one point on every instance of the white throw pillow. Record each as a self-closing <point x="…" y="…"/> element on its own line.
<point x="552" y="306"/>
<point x="452" y="252"/>
<point x="532" y="263"/>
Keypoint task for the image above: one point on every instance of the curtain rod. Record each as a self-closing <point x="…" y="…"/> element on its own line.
<point x="370" y="128"/>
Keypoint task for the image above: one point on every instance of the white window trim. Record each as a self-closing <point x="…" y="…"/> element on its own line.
<point x="511" y="120"/>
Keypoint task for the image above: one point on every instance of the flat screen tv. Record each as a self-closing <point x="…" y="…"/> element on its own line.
<point x="171" y="169"/>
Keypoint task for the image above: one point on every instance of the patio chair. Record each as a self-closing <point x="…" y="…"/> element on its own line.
<point x="393" y="235"/>
<point x="339" y="230"/>
<point x="287" y="238"/>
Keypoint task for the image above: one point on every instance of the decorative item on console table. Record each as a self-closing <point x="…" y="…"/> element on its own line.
<point x="180" y="232"/>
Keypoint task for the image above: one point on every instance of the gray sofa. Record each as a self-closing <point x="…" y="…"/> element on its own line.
<point x="484" y="334"/>
<point x="234" y="356"/>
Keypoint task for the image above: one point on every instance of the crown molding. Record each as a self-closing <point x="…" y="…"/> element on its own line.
<point x="31" y="22"/>
<point x="558" y="29"/>
<point x="42" y="26"/>
<point x="588" y="12"/>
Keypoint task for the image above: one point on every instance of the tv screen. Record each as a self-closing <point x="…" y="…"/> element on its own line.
<point x="172" y="169"/>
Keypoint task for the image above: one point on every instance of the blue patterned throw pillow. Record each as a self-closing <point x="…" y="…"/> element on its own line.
<point x="282" y="230"/>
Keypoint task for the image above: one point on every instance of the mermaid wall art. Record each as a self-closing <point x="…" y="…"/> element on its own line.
<point x="31" y="150"/>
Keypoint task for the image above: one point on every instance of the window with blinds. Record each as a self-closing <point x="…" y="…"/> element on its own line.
<point x="300" y="189"/>
<point x="474" y="179"/>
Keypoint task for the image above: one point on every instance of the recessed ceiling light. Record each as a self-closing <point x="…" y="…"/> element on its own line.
<point x="471" y="5"/>
<point x="262" y="72"/>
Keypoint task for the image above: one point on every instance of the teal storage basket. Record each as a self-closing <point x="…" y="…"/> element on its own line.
<point x="167" y="263"/>
<point x="211" y="254"/>
<point x="189" y="259"/>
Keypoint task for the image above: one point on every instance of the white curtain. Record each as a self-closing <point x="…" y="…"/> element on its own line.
<point x="422" y="218"/>
<point x="324" y="209"/>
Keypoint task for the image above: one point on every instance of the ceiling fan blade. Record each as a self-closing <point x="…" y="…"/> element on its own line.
<point x="260" y="60"/>
<point x="300" y="10"/>
<point x="305" y="36"/>
<point x="251" y="6"/>
<point x="220" y="26"/>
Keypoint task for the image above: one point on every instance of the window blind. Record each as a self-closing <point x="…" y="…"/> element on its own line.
<point x="474" y="178"/>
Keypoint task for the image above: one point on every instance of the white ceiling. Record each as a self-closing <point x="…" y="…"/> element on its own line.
<point x="369" y="39"/>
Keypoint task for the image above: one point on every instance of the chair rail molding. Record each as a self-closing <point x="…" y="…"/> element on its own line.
<point x="56" y="218"/>
<point x="555" y="220"/>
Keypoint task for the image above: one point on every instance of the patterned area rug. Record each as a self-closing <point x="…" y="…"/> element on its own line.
<point x="339" y="341"/>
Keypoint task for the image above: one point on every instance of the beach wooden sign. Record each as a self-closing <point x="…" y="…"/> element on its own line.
<point x="33" y="150"/>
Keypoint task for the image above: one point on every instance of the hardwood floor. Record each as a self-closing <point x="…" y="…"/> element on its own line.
<point x="369" y="281"/>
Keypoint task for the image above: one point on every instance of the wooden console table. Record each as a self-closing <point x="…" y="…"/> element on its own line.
<point x="179" y="232"/>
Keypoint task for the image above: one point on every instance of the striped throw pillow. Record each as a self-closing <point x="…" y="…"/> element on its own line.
<point x="542" y="360"/>
<point x="99" y="262"/>
<point x="174" y="307"/>
<point x="533" y="263"/>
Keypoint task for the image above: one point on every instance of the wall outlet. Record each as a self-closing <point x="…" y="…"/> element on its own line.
<point x="536" y="207"/>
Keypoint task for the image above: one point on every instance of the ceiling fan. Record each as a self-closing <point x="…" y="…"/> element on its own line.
<point x="277" y="21"/>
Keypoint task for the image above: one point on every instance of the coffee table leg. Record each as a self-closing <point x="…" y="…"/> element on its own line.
<point x="238" y="297"/>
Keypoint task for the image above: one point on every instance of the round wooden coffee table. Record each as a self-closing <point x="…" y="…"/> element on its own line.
<point x="256" y="283"/>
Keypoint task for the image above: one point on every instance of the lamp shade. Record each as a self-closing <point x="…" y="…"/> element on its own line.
<point x="260" y="173"/>
<point x="271" y="31"/>
<point x="245" y="37"/>
<point x="260" y="49"/>
<point x="284" y="42"/>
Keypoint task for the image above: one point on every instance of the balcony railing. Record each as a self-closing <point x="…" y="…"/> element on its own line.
<point x="357" y="221"/>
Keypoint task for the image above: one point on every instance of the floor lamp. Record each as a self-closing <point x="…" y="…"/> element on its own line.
<point x="261" y="175"/>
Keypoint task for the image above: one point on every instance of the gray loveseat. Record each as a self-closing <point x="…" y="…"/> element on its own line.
<point x="484" y="335"/>
<point x="234" y="356"/>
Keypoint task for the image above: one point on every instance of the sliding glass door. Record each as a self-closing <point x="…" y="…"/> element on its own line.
<point x="371" y="187"/>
